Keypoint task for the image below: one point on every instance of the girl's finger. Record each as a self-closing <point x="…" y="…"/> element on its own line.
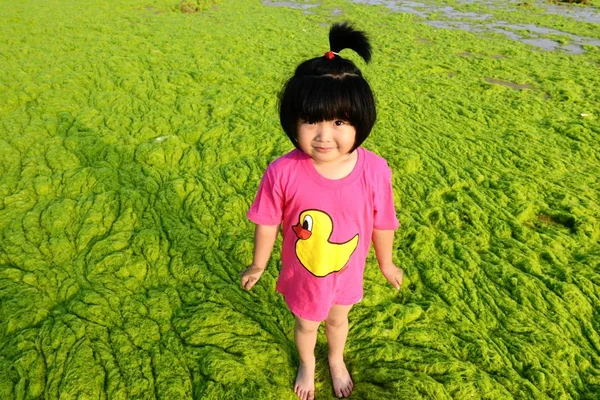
<point x="245" y="283"/>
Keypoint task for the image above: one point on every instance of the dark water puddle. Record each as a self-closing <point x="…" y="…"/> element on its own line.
<point x="508" y="30"/>
<point x="481" y="23"/>
<point x="576" y="12"/>
<point x="512" y="85"/>
<point x="574" y="48"/>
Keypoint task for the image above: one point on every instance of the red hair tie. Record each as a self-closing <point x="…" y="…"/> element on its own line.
<point x="330" y="55"/>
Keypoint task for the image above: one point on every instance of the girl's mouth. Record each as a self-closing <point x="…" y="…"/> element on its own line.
<point x="323" y="149"/>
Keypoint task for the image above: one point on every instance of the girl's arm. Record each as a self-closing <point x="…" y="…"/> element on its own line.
<point x="264" y="239"/>
<point x="383" y="242"/>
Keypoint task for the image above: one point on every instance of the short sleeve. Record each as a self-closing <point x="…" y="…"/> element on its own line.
<point x="267" y="208"/>
<point x="385" y="212"/>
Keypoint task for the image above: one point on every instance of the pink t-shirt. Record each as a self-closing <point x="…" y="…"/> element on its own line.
<point x="327" y="227"/>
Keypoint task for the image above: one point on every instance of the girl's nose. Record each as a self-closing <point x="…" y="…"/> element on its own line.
<point x="323" y="131"/>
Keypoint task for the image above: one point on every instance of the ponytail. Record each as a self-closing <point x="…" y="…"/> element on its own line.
<point x="344" y="36"/>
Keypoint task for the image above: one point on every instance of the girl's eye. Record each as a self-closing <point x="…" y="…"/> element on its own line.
<point x="339" y="122"/>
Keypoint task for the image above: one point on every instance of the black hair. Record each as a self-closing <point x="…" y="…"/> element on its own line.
<point x="325" y="88"/>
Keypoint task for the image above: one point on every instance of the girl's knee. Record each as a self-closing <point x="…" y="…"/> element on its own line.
<point x="338" y="316"/>
<point x="336" y="321"/>
<point x="306" y="326"/>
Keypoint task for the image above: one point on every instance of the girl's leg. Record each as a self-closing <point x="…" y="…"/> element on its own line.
<point x="305" y="334"/>
<point x="336" y="329"/>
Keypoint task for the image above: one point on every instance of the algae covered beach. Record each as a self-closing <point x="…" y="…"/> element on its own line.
<point x="133" y="136"/>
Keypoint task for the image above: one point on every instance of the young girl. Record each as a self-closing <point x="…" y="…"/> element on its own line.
<point x="331" y="198"/>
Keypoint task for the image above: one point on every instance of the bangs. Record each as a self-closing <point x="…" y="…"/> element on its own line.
<point x="326" y="99"/>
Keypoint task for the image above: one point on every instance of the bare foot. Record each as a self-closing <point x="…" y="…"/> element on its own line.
<point x="305" y="382"/>
<point x="340" y="377"/>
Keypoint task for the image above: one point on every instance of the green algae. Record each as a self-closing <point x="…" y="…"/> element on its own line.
<point x="132" y="140"/>
<point x="193" y="6"/>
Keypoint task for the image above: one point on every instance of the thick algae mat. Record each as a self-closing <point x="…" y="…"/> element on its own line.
<point x="133" y="138"/>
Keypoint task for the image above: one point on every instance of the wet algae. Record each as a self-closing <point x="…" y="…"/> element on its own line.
<point x="133" y="137"/>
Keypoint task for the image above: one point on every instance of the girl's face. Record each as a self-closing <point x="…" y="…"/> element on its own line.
<point x="326" y="141"/>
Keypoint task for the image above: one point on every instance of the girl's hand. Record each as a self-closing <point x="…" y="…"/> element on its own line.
<point x="393" y="274"/>
<point x="250" y="276"/>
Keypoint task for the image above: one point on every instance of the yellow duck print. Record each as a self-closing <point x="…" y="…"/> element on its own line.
<point x="313" y="248"/>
